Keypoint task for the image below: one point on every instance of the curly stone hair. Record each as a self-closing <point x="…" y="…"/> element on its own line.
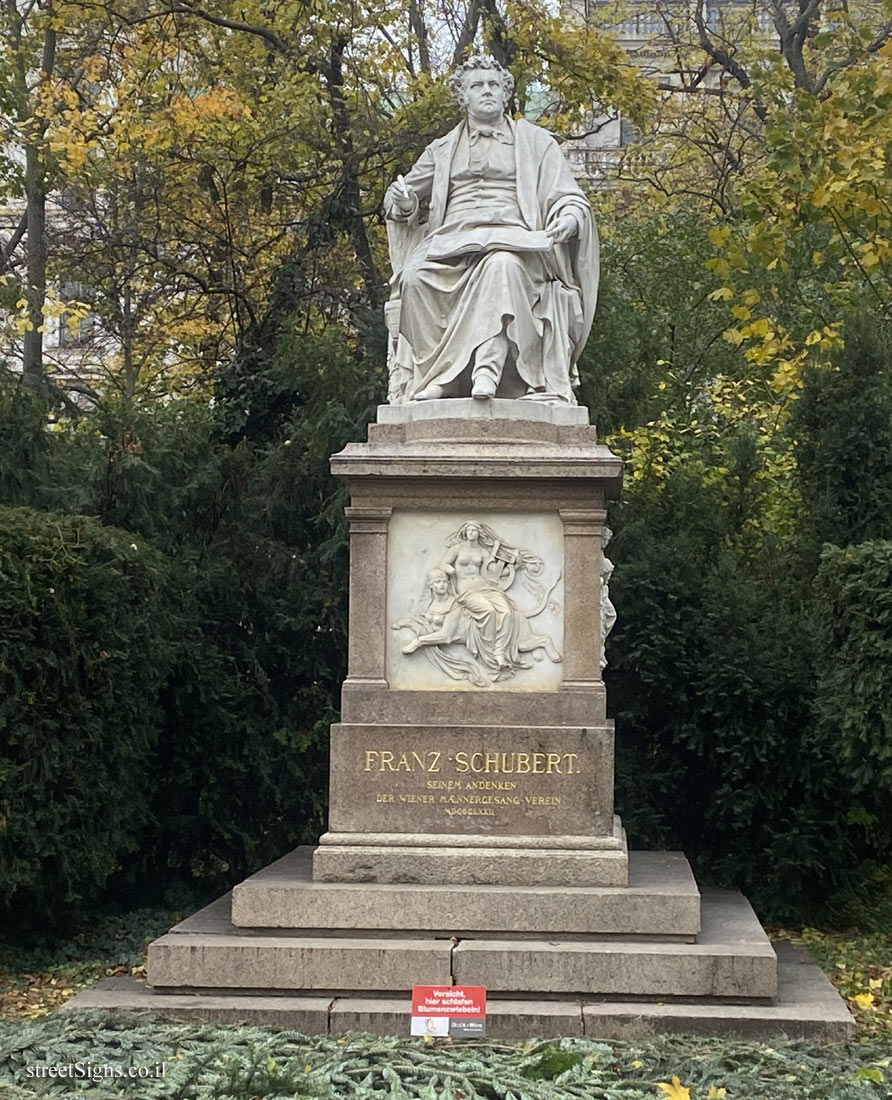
<point x="479" y="61"/>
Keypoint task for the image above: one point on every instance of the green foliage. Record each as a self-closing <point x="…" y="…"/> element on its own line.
<point x="854" y="695"/>
<point x="257" y="678"/>
<point x="23" y="443"/>
<point x="103" y="940"/>
<point x="235" y="509"/>
<point x="241" y="1063"/>
<point x="84" y="650"/>
<point x="657" y="338"/>
<point x="710" y="682"/>
<point x="736" y="475"/>
<point x="843" y="430"/>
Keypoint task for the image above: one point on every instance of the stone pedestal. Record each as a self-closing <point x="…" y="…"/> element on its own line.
<point x="472" y="836"/>
<point x="447" y="767"/>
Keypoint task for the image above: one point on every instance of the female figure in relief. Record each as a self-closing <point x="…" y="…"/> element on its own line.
<point x="476" y="571"/>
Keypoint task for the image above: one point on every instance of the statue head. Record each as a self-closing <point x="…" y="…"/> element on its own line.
<point x="480" y="62"/>
<point x="473" y="532"/>
<point x="438" y="582"/>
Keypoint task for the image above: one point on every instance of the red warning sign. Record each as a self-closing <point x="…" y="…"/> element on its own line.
<point x="455" y="1010"/>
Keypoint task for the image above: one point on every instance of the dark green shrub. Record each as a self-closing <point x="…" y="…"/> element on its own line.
<point x="843" y="430"/>
<point x="854" y="682"/>
<point x="251" y="527"/>
<point x="84" y="648"/>
<point x="262" y="566"/>
<point x="710" y="681"/>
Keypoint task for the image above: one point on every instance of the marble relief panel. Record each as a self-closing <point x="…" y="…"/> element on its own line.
<point x="475" y="601"/>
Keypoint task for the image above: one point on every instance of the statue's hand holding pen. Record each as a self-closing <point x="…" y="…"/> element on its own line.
<point x="401" y="196"/>
<point x="563" y="229"/>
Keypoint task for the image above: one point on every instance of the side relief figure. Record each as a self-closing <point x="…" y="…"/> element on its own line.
<point x="608" y="611"/>
<point x="472" y="628"/>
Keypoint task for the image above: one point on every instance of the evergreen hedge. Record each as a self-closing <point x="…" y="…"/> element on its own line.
<point x="212" y="737"/>
<point x="710" y="681"/>
<point x="854" y="681"/>
<point x="85" y="645"/>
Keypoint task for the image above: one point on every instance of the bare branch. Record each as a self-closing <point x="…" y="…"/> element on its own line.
<point x="419" y="28"/>
<point x="726" y="60"/>
<point x="256" y="29"/>
<point x="468" y="31"/>
<point x="13" y="242"/>
<point x="882" y="37"/>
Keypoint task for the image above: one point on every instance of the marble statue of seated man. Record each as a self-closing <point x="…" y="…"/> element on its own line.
<point x="493" y="294"/>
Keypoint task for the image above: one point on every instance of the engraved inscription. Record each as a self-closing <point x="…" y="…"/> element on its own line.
<point x="498" y="781"/>
<point x="385" y="761"/>
<point x="464" y="797"/>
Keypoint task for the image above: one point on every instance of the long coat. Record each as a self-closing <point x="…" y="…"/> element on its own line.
<point x="565" y="303"/>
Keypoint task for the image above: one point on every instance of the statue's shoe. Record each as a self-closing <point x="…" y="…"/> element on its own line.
<point x="429" y="393"/>
<point x="484" y="386"/>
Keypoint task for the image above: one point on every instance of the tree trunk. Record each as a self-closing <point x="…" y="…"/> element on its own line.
<point x="36" y="246"/>
<point x="334" y="79"/>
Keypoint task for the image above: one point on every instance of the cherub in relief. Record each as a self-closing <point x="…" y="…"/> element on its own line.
<point x="470" y="607"/>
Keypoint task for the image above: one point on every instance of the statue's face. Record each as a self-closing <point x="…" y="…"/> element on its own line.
<point x="484" y="95"/>
<point x="439" y="584"/>
<point x="472" y="533"/>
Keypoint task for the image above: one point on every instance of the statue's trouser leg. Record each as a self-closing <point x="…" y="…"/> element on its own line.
<point x="489" y="362"/>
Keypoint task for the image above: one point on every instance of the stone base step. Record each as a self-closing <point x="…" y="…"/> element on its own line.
<point x="661" y="900"/>
<point x="432" y="864"/>
<point x="807" y="1007"/>
<point x="731" y="958"/>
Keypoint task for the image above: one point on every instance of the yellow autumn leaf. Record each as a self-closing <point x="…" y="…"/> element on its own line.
<point x="762" y="328"/>
<point x="676" y="1090"/>
<point x="716" y="1094"/>
<point x="864" y="1000"/>
<point x="722" y="293"/>
<point x="820" y="195"/>
<point x="741" y="313"/>
<point x="718" y="235"/>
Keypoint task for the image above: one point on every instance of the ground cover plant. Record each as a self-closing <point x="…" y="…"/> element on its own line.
<point x="215" y="1062"/>
<point x="38" y="978"/>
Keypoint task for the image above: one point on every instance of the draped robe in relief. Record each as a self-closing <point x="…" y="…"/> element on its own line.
<point x="477" y="269"/>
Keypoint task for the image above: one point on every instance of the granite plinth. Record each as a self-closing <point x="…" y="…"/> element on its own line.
<point x="731" y="958"/>
<point x="372" y="701"/>
<point x="456" y="859"/>
<point x="196" y="960"/>
<point x="559" y="457"/>
<point x="470" y="866"/>
<point x="807" y="1007"/>
<point x="661" y="900"/>
<point x="464" y="409"/>
<point x="471" y="780"/>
